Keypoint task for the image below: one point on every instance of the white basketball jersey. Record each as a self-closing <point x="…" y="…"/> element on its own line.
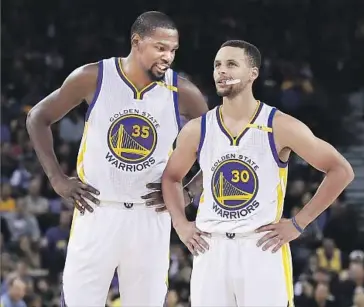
<point x="128" y="134"/>
<point x="244" y="181"/>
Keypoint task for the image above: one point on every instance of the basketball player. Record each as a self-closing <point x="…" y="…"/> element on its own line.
<point x="243" y="148"/>
<point x="131" y="124"/>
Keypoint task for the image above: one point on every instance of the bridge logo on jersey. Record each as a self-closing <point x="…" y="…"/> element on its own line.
<point x="234" y="187"/>
<point x="132" y="139"/>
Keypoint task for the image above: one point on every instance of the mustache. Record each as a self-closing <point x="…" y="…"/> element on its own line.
<point x="163" y="63"/>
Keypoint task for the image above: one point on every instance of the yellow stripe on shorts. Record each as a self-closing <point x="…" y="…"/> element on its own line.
<point x="81" y="154"/>
<point x="287" y="269"/>
<point x="80" y="171"/>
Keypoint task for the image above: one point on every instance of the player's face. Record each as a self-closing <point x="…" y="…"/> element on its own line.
<point x="231" y="63"/>
<point x="156" y="52"/>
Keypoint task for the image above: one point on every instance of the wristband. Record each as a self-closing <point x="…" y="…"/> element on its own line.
<point x="298" y="227"/>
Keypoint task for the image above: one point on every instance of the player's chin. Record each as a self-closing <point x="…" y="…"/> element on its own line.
<point x="158" y="74"/>
<point x="222" y="93"/>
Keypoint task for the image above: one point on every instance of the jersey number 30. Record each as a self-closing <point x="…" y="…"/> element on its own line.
<point x="242" y="176"/>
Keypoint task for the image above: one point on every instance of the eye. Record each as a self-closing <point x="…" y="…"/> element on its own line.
<point x="217" y="65"/>
<point x="231" y="64"/>
<point x="160" y="48"/>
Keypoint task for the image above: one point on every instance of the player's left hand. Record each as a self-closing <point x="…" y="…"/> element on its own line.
<point x="155" y="199"/>
<point x="278" y="234"/>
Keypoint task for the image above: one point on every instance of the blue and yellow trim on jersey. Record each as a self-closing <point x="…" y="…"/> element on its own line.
<point x="272" y="144"/>
<point x="280" y="192"/>
<point x="286" y="253"/>
<point x="285" y="250"/>
<point x="234" y="140"/>
<point x="81" y="154"/>
<point x="139" y="94"/>
<point x="80" y="167"/>
<point x="100" y="75"/>
<point x="174" y="88"/>
<point x="202" y="136"/>
<point x="288" y="273"/>
<point x="80" y="172"/>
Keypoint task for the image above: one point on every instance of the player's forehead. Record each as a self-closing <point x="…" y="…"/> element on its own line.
<point x="168" y="37"/>
<point x="230" y="53"/>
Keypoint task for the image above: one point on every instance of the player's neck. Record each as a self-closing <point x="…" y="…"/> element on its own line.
<point x="134" y="73"/>
<point x="242" y="105"/>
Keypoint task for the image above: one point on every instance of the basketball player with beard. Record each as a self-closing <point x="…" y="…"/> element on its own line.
<point x="240" y="239"/>
<point x="132" y="121"/>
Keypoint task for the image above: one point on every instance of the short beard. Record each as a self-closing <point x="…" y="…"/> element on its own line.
<point x="224" y="93"/>
<point x="153" y="77"/>
<point x="231" y="92"/>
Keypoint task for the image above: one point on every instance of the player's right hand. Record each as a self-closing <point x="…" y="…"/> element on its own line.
<point x="191" y="236"/>
<point x="75" y="192"/>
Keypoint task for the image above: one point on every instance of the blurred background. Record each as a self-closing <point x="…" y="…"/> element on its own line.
<point x="313" y="68"/>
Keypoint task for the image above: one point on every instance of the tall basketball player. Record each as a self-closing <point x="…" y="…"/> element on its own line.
<point x="131" y="124"/>
<point x="243" y="148"/>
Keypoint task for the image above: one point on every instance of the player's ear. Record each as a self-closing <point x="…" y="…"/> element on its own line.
<point x="135" y="40"/>
<point x="254" y="73"/>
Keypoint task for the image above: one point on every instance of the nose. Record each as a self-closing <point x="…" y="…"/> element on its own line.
<point x="221" y="70"/>
<point x="168" y="57"/>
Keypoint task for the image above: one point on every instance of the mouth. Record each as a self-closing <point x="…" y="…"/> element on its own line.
<point x="223" y="81"/>
<point x="162" y="67"/>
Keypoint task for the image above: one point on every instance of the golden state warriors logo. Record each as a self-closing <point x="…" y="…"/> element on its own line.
<point x="132" y="139"/>
<point x="234" y="187"/>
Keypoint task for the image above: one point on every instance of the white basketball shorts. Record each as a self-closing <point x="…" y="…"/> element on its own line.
<point x="234" y="272"/>
<point x="128" y="237"/>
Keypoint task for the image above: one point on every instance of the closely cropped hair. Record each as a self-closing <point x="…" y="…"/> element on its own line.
<point x="147" y="22"/>
<point x="251" y="51"/>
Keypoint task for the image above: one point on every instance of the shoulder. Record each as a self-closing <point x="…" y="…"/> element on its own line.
<point x="191" y="101"/>
<point x="81" y="82"/>
<point x="186" y="86"/>
<point x="188" y="89"/>
<point x="190" y="133"/>
<point x="280" y="118"/>
<point x="193" y="126"/>
<point x="290" y="132"/>
<point x="87" y="72"/>
<point x="284" y="124"/>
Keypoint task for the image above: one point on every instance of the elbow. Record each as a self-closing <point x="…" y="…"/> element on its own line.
<point x="168" y="178"/>
<point x="347" y="172"/>
<point x="31" y="118"/>
<point x="350" y="173"/>
<point x="29" y="122"/>
<point x="34" y="117"/>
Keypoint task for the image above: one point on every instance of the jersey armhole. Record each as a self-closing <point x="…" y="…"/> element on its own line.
<point x="100" y="74"/>
<point x="202" y="135"/>
<point x="175" y="99"/>
<point x="272" y="143"/>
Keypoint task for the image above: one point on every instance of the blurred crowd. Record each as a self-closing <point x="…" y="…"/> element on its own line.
<point x="313" y="65"/>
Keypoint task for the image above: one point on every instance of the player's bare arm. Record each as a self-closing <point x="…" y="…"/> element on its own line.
<point x="79" y="85"/>
<point x="292" y="134"/>
<point x="192" y="104"/>
<point x="178" y="166"/>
